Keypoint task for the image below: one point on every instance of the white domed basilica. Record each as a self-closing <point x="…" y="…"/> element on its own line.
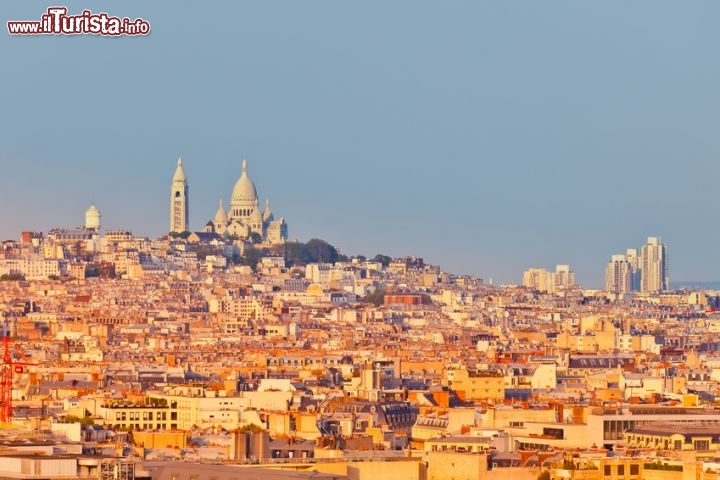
<point x="245" y="217"/>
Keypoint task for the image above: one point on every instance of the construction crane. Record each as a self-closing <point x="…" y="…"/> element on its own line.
<point x="7" y="368"/>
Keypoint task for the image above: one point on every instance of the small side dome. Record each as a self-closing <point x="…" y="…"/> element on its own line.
<point x="92" y="218"/>
<point x="221" y="216"/>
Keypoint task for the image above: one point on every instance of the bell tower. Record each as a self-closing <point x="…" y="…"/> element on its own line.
<point x="179" y="201"/>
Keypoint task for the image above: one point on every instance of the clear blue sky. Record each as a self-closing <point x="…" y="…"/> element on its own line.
<point x="487" y="137"/>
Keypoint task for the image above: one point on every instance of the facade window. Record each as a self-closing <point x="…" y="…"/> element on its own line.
<point x="702" y="445"/>
<point x="621" y="470"/>
<point x="607" y="470"/>
<point x="635" y="469"/>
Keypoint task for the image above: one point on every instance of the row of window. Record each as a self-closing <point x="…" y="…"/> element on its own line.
<point x="634" y="470"/>
<point x="123" y="416"/>
<point x="146" y="426"/>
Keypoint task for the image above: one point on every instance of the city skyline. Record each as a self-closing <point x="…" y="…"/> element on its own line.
<point x="508" y="139"/>
<point x="647" y="273"/>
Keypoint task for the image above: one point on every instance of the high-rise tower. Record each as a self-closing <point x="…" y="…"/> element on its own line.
<point x="654" y="271"/>
<point x="631" y="255"/>
<point x="618" y="275"/>
<point x="179" y="201"/>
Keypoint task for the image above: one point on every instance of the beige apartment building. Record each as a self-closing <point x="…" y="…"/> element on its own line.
<point x="180" y="411"/>
<point x="476" y="385"/>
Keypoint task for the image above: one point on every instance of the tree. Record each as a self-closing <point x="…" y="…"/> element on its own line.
<point x="9" y="277"/>
<point x="315" y="250"/>
<point x="320" y="251"/>
<point x="382" y="259"/>
<point x="251" y="257"/>
<point x="202" y="251"/>
<point x="293" y="253"/>
<point x="376" y="297"/>
<point x="86" y="420"/>
<point x="250" y="428"/>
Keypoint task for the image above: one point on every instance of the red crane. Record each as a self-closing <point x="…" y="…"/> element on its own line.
<point x="8" y="367"/>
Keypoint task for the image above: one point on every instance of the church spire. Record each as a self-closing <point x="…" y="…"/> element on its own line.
<point x="179" y="201"/>
<point x="179" y="172"/>
<point x="267" y="214"/>
<point x="244" y="166"/>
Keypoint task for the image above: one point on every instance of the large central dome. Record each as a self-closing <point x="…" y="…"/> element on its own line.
<point x="243" y="192"/>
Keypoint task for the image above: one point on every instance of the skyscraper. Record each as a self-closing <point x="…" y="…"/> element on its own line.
<point x="618" y="275"/>
<point x="564" y="277"/>
<point x="654" y="275"/>
<point x="631" y="255"/>
<point x="179" y="201"/>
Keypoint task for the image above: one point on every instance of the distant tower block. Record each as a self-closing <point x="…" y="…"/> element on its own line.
<point x="179" y="201"/>
<point x="92" y="218"/>
<point x="654" y="273"/>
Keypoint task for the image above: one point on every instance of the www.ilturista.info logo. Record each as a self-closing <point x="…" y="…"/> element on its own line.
<point x="57" y="22"/>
